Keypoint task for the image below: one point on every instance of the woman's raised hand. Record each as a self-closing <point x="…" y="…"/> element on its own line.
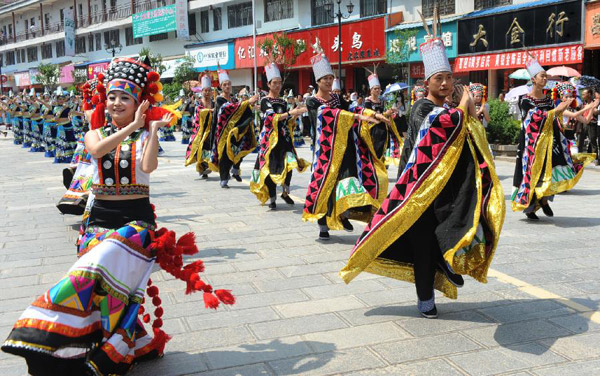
<point x="166" y="120"/>
<point x="140" y="117"/>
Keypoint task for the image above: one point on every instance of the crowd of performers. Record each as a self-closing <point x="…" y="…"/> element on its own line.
<point x="440" y="220"/>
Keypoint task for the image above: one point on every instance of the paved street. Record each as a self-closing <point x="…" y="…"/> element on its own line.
<point x="538" y="315"/>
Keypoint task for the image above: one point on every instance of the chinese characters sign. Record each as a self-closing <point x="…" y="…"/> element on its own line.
<point x="507" y="60"/>
<point x="448" y="35"/>
<point x="592" y="25"/>
<point x="97" y="68"/>
<point x="183" y="29"/>
<point x="155" y="21"/>
<point x="360" y="41"/>
<point x="559" y="23"/>
<point x="207" y="57"/>
<point x="69" y="32"/>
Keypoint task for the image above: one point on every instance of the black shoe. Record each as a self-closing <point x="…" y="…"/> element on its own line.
<point x="324" y="235"/>
<point x="456" y="279"/>
<point x="68" y="174"/>
<point x="272" y="206"/>
<point x="347" y="225"/>
<point x="532" y="216"/>
<point x="224" y="186"/>
<point x="547" y="211"/>
<point x="431" y="314"/>
<point x="204" y="177"/>
<point x="237" y="177"/>
<point x="288" y="200"/>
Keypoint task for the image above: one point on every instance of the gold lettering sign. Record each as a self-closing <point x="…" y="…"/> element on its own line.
<point x="596" y="25"/>
<point x="558" y="25"/>
<point x="515" y="30"/>
<point x="479" y="37"/>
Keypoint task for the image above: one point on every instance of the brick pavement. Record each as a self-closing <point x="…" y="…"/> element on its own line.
<point x="294" y="316"/>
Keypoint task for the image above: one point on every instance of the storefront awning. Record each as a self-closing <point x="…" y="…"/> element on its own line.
<point x="510" y="8"/>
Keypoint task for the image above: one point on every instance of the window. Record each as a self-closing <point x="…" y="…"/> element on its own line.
<point x="62" y="16"/>
<point x="47" y="21"/>
<point x="10" y="31"/>
<point x="80" y="45"/>
<point x="98" y="42"/>
<point x="217" y="19"/>
<point x="129" y="39"/>
<point x="80" y="11"/>
<point x="372" y="7"/>
<point x="10" y="58"/>
<point x="112" y="36"/>
<point x="239" y="15"/>
<point x="278" y="10"/>
<point x="60" y="48"/>
<point x="90" y="42"/>
<point x="445" y="7"/>
<point x="204" y="21"/>
<point x="32" y="54"/>
<point x="157" y="37"/>
<point x="23" y="55"/>
<point x="484" y="4"/>
<point x="192" y="23"/>
<point x="46" y="51"/>
<point x="319" y="15"/>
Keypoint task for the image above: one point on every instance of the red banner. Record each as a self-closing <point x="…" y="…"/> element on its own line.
<point x="94" y="69"/>
<point x="361" y="41"/>
<point x="507" y="60"/>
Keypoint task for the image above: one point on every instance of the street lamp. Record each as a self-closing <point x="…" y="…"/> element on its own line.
<point x="329" y="9"/>
<point x="113" y="47"/>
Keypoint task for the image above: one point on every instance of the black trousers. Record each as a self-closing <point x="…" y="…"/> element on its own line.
<point x="273" y="188"/>
<point x="591" y="131"/>
<point x="225" y="165"/>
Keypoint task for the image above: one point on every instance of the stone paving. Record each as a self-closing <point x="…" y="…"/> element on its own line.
<point x="538" y="315"/>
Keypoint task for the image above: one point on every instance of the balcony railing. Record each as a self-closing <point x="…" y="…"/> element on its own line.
<point x="111" y="14"/>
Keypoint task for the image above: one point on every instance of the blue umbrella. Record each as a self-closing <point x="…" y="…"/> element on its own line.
<point x="395" y="87"/>
<point x="520" y="74"/>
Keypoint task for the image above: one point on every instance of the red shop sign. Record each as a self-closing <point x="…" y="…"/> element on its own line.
<point x="506" y="60"/>
<point x="417" y="70"/>
<point x="94" y="69"/>
<point x="360" y="41"/>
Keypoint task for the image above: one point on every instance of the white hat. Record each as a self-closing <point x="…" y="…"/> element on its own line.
<point x="533" y="66"/>
<point x="32" y="92"/>
<point x="434" y="56"/>
<point x="373" y="81"/>
<point x="272" y="71"/>
<point x="10" y="93"/>
<point x="59" y="92"/>
<point x="72" y="93"/>
<point x="336" y="84"/>
<point x="223" y="76"/>
<point x="320" y="63"/>
<point x="291" y="93"/>
<point x="205" y="82"/>
<point x="354" y="96"/>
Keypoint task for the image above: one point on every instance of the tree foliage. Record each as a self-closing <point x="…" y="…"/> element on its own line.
<point x="282" y="50"/>
<point x="48" y="75"/>
<point x="502" y="128"/>
<point x="185" y="71"/>
<point x="399" y="50"/>
<point x="171" y="91"/>
<point x="156" y="60"/>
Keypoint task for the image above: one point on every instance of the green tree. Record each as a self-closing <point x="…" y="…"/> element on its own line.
<point x="156" y="60"/>
<point x="503" y="128"/>
<point x="48" y="75"/>
<point x="185" y="71"/>
<point x="171" y="91"/>
<point x="399" y="50"/>
<point x="282" y="50"/>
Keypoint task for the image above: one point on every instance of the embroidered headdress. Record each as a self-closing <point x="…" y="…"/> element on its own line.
<point x="433" y="51"/>
<point x="320" y="63"/>
<point x="476" y="88"/>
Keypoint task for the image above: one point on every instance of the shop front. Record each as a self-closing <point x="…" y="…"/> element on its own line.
<point x="362" y="44"/>
<point x="404" y="41"/>
<point x="591" y="54"/>
<point x="209" y="56"/>
<point x="500" y="38"/>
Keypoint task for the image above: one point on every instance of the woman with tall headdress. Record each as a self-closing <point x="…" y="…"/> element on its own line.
<point x="479" y="93"/>
<point x="544" y="165"/>
<point x="232" y="132"/>
<point x="277" y="157"/>
<point x="444" y="215"/>
<point x="348" y="179"/>
<point x="199" y="147"/>
<point x="90" y="322"/>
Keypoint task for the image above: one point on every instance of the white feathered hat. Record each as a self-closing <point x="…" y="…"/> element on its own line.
<point x="205" y="81"/>
<point x="433" y="51"/>
<point x="320" y="63"/>
<point x="272" y="71"/>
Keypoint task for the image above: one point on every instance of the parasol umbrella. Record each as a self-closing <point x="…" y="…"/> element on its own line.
<point x="520" y="74"/>
<point x="517" y="92"/>
<point x="395" y="87"/>
<point x="585" y="81"/>
<point x="563" y="71"/>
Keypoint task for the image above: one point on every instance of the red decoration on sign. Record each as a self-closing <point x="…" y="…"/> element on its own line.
<point x="506" y="60"/>
<point x="360" y="41"/>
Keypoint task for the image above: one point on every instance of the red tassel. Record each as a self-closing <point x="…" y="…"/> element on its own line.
<point x="152" y="291"/>
<point x="149" y="282"/>
<point x="225" y="296"/>
<point x="100" y="77"/>
<point x="146" y="318"/>
<point x="199" y="285"/>
<point x="158" y="312"/>
<point x="158" y="323"/>
<point x="153" y="76"/>
<point x="196" y="266"/>
<point x="210" y="301"/>
<point x="98" y="119"/>
<point x="160" y="340"/>
<point x="156" y="301"/>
